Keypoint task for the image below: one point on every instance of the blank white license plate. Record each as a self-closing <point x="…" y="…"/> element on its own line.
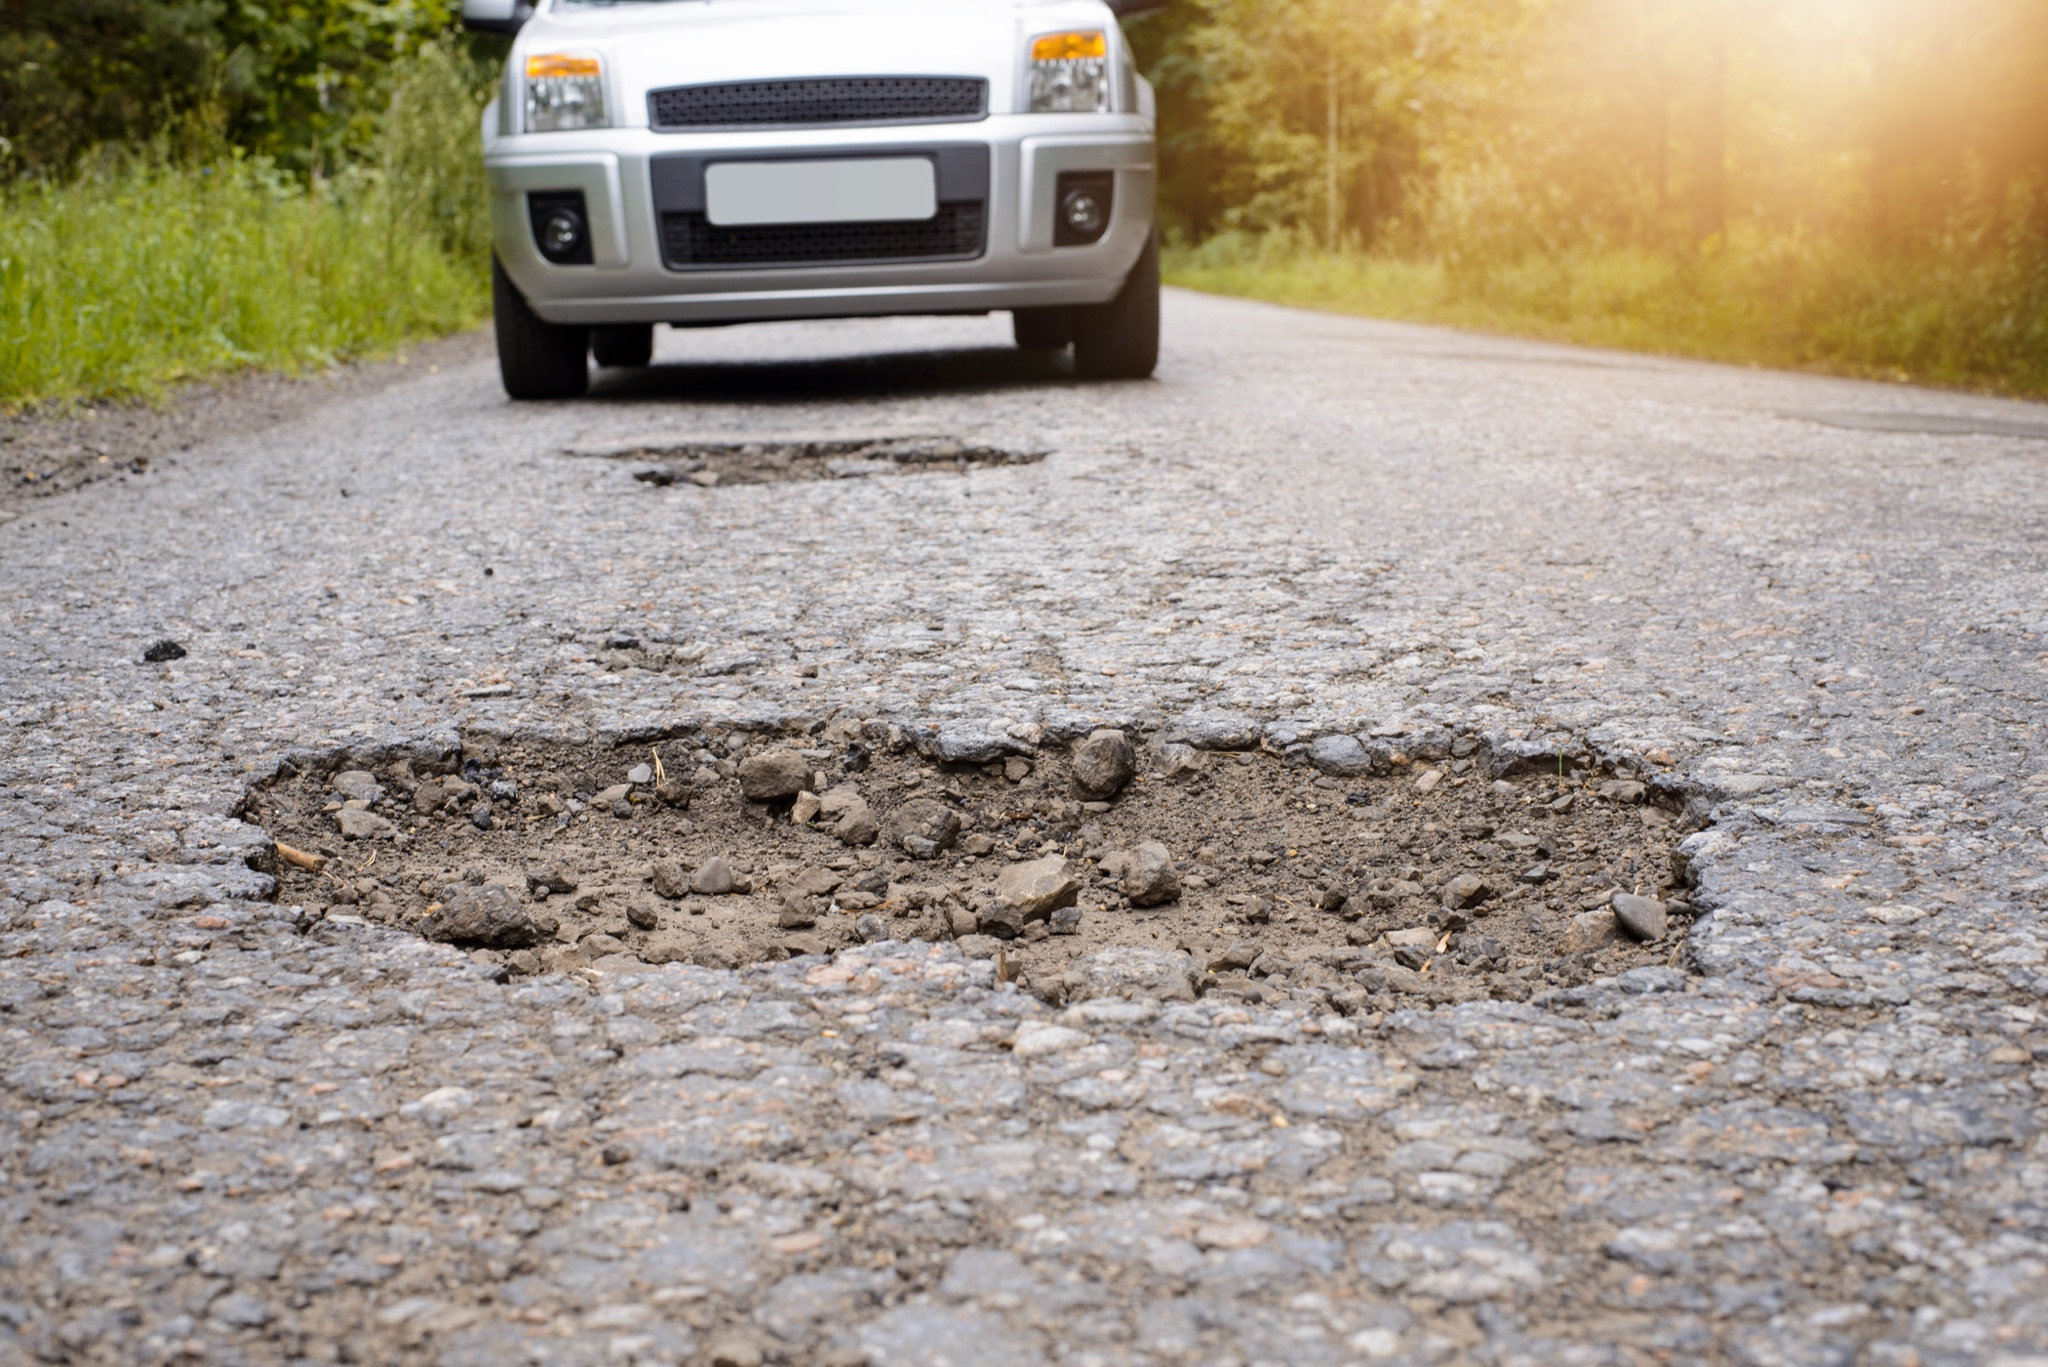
<point x="859" y="190"/>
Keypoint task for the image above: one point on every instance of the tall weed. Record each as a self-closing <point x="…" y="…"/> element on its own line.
<point x="143" y="270"/>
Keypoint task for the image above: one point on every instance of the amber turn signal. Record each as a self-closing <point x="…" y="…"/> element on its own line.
<point x="1065" y="47"/>
<point x="556" y="64"/>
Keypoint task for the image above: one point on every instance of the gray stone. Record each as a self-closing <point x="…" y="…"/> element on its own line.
<point x="870" y="928"/>
<point x="1037" y="887"/>
<point x="642" y="914"/>
<point x="358" y="784"/>
<point x="1466" y="890"/>
<point x="976" y="946"/>
<point x="640" y="775"/>
<point x="847" y="815"/>
<point x="488" y="917"/>
<point x="1002" y="921"/>
<point x="1235" y="958"/>
<point x="1590" y="931"/>
<point x="714" y="877"/>
<point x="668" y="878"/>
<point x="816" y="881"/>
<point x="1103" y="764"/>
<point x="553" y="877"/>
<point x="1146" y="875"/>
<point x="774" y="775"/>
<point x="923" y="827"/>
<point x="1643" y="917"/>
<point x="357" y="824"/>
<point x="1340" y="756"/>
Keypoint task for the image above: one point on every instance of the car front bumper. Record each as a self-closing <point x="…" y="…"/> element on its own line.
<point x="630" y="279"/>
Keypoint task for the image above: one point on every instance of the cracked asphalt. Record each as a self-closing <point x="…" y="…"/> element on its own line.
<point x="1810" y="611"/>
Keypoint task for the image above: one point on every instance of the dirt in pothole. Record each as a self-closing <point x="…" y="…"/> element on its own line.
<point x="716" y="464"/>
<point x="1424" y="883"/>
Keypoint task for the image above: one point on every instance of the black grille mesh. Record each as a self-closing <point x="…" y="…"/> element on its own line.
<point x="836" y="99"/>
<point x="690" y="240"/>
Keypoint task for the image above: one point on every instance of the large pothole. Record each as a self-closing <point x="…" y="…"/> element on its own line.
<point x="1273" y="880"/>
<point x="713" y="464"/>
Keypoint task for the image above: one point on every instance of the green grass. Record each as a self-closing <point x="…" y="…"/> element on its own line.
<point x="1976" y="321"/>
<point x="138" y="276"/>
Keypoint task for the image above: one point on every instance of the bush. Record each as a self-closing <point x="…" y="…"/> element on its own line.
<point x="140" y="270"/>
<point x="302" y="83"/>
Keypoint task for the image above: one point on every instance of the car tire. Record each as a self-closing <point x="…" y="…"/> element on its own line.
<point x="1042" y="329"/>
<point x="1120" y="340"/>
<point x="536" y="359"/>
<point x="624" y="344"/>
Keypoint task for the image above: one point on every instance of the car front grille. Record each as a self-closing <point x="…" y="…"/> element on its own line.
<point x="825" y="100"/>
<point x="690" y="241"/>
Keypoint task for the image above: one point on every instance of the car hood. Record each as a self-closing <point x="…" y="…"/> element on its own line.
<point x="684" y="42"/>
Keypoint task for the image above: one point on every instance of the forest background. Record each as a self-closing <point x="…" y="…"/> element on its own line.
<point x="1859" y="186"/>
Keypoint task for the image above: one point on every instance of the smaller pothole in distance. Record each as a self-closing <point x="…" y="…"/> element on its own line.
<point x="719" y="464"/>
<point x="1360" y="893"/>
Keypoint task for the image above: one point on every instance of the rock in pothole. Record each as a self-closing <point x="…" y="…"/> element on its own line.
<point x="489" y="917"/>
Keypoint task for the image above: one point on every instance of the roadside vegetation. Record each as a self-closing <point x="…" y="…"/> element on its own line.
<point x="198" y="233"/>
<point x="1976" y="320"/>
<point x="1856" y="186"/>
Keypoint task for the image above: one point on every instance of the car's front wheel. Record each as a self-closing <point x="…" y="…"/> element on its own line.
<point x="1120" y="340"/>
<point x="536" y="359"/>
<point x="623" y="344"/>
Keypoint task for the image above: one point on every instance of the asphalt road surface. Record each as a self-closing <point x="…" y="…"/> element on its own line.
<point x="1812" y="615"/>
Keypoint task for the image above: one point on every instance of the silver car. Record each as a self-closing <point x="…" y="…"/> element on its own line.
<point x="700" y="162"/>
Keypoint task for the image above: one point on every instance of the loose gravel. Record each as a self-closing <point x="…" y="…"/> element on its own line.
<point x="1433" y="882"/>
<point x="238" y="1128"/>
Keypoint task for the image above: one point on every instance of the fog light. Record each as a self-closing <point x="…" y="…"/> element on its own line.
<point x="1083" y="214"/>
<point x="1081" y="207"/>
<point x="561" y="227"/>
<point x="562" y="234"/>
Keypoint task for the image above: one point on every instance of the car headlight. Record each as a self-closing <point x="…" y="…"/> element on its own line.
<point x="563" y="92"/>
<point x="1070" y="73"/>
